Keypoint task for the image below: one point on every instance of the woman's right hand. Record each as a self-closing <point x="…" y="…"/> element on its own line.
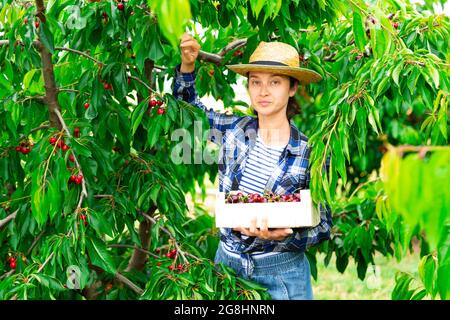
<point x="189" y="53"/>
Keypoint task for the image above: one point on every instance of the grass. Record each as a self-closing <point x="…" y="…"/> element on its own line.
<point x="332" y="285"/>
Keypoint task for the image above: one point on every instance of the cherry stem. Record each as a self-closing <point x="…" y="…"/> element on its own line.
<point x="83" y="183"/>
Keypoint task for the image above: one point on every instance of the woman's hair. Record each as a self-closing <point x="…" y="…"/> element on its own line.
<point x="293" y="106"/>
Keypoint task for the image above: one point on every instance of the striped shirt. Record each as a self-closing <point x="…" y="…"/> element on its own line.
<point x="261" y="162"/>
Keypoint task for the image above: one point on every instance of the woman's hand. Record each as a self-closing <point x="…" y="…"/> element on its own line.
<point x="189" y="53"/>
<point x="264" y="232"/>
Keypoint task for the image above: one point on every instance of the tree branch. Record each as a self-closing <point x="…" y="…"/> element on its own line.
<point x="83" y="182"/>
<point x="51" y="91"/>
<point x="12" y="216"/>
<point x="139" y="257"/>
<point x="121" y="278"/>
<point x="141" y="82"/>
<point x="7" y="274"/>
<point x="210" y="57"/>
<point x="45" y="126"/>
<point x="118" y="245"/>
<point x="172" y="237"/>
<point x="236" y="44"/>
<point x="36" y="240"/>
<point x="218" y="58"/>
<point x="81" y="54"/>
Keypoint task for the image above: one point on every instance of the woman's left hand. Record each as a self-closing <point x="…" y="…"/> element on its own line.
<point x="264" y="232"/>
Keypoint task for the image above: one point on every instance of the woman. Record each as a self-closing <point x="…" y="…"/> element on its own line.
<point x="258" y="154"/>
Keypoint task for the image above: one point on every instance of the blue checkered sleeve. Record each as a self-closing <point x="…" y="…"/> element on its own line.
<point x="184" y="89"/>
<point x="305" y="238"/>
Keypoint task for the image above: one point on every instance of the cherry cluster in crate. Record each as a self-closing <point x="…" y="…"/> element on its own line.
<point x="239" y="197"/>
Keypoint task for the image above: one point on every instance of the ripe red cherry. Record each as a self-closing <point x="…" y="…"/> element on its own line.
<point x="71" y="158"/>
<point x="171" y="267"/>
<point x="76" y="132"/>
<point x="79" y="179"/>
<point x="106" y="86"/>
<point x="173" y="253"/>
<point x="86" y="105"/>
<point x="120" y="6"/>
<point x="65" y="147"/>
<point x="159" y="102"/>
<point x="53" y="140"/>
<point x="161" y="111"/>
<point x="37" y="23"/>
<point x="19" y="149"/>
<point x="83" y="217"/>
<point x="395" y="24"/>
<point x="26" y="150"/>
<point x="72" y="178"/>
<point x="152" y="103"/>
<point x="12" y="263"/>
<point x="157" y="250"/>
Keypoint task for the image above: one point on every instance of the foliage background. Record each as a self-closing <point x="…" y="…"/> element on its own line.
<point x="385" y="68"/>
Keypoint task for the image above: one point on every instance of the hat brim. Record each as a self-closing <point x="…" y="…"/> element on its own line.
<point x="303" y="75"/>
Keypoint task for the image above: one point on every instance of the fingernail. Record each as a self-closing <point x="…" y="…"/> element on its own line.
<point x="290" y="231"/>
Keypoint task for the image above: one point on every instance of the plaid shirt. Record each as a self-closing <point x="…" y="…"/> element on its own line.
<point x="236" y="136"/>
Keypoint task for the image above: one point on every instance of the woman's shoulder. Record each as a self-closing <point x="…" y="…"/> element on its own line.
<point x="297" y="135"/>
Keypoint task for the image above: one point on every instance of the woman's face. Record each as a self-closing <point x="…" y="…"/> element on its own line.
<point x="269" y="92"/>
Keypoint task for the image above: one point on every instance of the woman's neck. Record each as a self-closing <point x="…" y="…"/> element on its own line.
<point x="274" y="131"/>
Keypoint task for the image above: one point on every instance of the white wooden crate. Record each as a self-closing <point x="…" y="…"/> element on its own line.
<point x="279" y="214"/>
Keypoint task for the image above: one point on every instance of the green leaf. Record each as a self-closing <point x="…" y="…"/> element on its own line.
<point x="28" y="78"/>
<point x="382" y="86"/>
<point x="154" y="192"/>
<point x="251" y="285"/>
<point x="46" y="37"/>
<point x="358" y="31"/>
<point x="154" y="131"/>
<point x="100" y="257"/>
<point x="396" y="72"/>
<point x="156" y="51"/>
<point x="100" y="222"/>
<point x="427" y="269"/>
<point x="39" y="205"/>
<point x="433" y="72"/>
<point x="137" y="115"/>
<point x="257" y="6"/>
<point x="97" y="91"/>
<point x="419" y="295"/>
<point x="172" y="18"/>
<point x="54" y="196"/>
<point x="372" y="122"/>
<point x="49" y="282"/>
<point x="79" y="149"/>
<point x="119" y="83"/>
<point x="443" y="281"/>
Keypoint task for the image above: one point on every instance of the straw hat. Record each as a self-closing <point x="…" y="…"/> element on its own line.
<point x="276" y="57"/>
